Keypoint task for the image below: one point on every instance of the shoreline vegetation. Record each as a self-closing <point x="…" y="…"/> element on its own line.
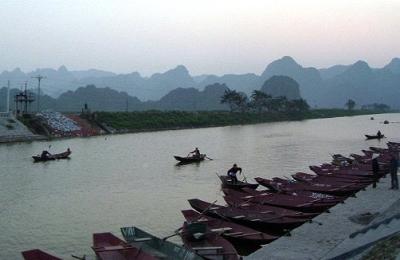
<point x="143" y="121"/>
<point x="156" y="120"/>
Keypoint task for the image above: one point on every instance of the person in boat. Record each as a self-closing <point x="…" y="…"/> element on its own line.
<point x="379" y="134"/>
<point x="233" y="171"/>
<point x="195" y="153"/>
<point x="68" y="150"/>
<point x="375" y="169"/>
<point x="45" y="154"/>
<point x="394" y="164"/>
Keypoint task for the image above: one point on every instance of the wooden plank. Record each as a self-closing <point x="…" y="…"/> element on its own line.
<point x="249" y="234"/>
<point x="207" y="248"/>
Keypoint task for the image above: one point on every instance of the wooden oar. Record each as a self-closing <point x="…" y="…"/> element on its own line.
<point x="176" y="232"/>
<point x="209" y="158"/>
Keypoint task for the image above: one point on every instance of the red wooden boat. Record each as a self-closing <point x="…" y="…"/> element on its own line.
<point x="294" y="188"/>
<point x="227" y="183"/>
<point x="342" y="184"/>
<point x="231" y="231"/>
<point x="328" y="169"/>
<point x="348" y="177"/>
<point x="207" y="244"/>
<point x="298" y="203"/>
<point x="109" y="247"/>
<point x="258" y="220"/>
<point x="238" y="202"/>
<point x="319" y="188"/>
<point x="37" y="254"/>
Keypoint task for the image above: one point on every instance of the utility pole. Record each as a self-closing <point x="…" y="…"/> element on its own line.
<point x="39" y="78"/>
<point x="8" y="97"/>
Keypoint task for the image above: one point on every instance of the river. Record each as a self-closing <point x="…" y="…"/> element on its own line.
<point x="132" y="179"/>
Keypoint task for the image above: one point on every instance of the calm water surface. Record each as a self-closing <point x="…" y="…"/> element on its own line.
<point x="132" y="179"/>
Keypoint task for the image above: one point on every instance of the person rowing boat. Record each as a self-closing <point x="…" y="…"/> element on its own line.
<point x="233" y="171"/>
<point x="195" y="153"/>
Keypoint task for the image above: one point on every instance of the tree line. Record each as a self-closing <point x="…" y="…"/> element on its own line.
<point x="261" y="102"/>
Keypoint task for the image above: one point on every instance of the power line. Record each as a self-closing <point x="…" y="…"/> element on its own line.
<point x="39" y="78"/>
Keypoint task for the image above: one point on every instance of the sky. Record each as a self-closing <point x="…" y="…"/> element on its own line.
<point x="208" y="36"/>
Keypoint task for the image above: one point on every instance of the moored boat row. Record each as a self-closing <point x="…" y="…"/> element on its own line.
<point x="251" y="216"/>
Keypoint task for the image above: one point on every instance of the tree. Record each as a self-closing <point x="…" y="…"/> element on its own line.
<point x="259" y="100"/>
<point x="235" y="100"/>
<point x="277" y="104"/>
<point x="297" y="105"/>
<point x="350" y="104"/>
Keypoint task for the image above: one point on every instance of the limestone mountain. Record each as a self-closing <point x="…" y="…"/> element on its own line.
<point x="309" y="79"/>
<point x="333" y="71"/>
<point x="394" y="66"/>
<point x="282" y="86"/>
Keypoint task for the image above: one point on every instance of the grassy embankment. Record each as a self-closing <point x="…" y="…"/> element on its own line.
<point x="158" y="120"/>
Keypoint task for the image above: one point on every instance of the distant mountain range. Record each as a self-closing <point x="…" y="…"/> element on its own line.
<point x="107" y="99"/>
<point x="328" y="87"/>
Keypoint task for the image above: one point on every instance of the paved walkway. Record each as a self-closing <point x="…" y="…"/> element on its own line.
<point x="318" y="240"/>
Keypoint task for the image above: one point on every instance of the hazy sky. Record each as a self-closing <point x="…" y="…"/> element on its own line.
<point x="207" y="36"/>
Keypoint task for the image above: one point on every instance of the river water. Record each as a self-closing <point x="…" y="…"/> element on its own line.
<point x="131" y="179"/>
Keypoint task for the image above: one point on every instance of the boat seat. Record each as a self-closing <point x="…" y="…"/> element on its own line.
<point x="234" y="234"/>
<point x="248" y="234"/>
<point x="112" y="248"/>
<point x="142" y="239"/>
<point x="221" y="229"/>
<point x="238" y="217"/>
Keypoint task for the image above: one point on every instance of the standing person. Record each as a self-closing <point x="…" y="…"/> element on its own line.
<point x="394" y="164"/>
<point x="379" y="134"/>
<point x="375" y="169"/>
<point x="232" y="173"/>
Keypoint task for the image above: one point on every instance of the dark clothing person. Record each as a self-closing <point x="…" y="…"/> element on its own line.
<point x="232" y="173"/>
<point x="394" y="164"/>
<point x="195" y="153"/>
<point x="375" y="171"/>
<point x="45" y="154"/>
<point x="379" y="133"/>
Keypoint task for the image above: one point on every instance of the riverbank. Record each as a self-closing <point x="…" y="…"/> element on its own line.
<point x="337" y="235"/>
<point x="100" y="123"/>
<point x="128" y="122"/>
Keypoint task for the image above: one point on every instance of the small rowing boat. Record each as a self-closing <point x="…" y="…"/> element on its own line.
<point x="57" y="156"/>
<point x="190" y="159"/>
<point x="37" y="254"/>
<point x="109" y="247"/>
<point x="258" y="220"/>
<point x="228" y="183"/>
<point x="368" y="137"/>
<point x="199" y="238"/>
<point x="231" y="231"/>
<point x="158" y="247"/>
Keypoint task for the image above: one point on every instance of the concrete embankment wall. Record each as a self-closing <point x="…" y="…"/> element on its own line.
<point x="12" y="130"/>
<point x="330" y="234"/>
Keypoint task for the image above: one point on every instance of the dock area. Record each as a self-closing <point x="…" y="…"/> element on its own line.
<point x="348" y="230"/>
